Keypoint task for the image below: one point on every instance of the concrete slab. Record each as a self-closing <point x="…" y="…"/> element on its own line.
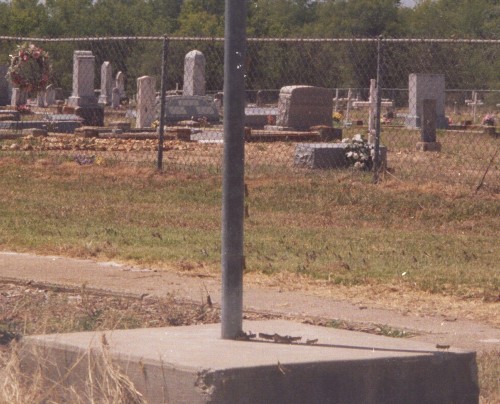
<point x="194" y="365"/>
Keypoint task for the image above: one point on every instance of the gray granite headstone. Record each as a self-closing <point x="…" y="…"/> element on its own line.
<point x="50" y="95"/>
<point x="83" y="79"/>
<point x="5" y="87"/>
<point x="300" y="107"/>
<point x="120" y="83"/>
<point x="146" y="99"/>
<point x="194" y="73"/>
<point x="106" y="83"/>
<point x="181" y="108"/>
<point x="326" y="155"/>
<point x="424" y="87"/>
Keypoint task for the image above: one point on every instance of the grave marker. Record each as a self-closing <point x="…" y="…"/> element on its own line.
<point x="300" y="107"/>
<point x="194" y="73"/>
<point x="5" y="88"/>
<point x="424" y="87"/>
<point x="146" y="99"/>
<point x="428" y="130"/>
<point x="181" y="108"/>
<point x="120" y="83"/>
<point x="83" y="79"/>
<point x="50" y="95"/>
<point x="106" y="83"/>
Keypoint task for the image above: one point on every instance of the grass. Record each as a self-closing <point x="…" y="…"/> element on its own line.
<point x="28" y="309"/>
<point x="335" y="226"/>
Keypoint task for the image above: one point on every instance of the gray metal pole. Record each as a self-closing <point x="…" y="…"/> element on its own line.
<point x="233" y="186"/>
<point x="163" y="89"/>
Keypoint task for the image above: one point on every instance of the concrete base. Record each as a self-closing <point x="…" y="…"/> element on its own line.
<point x="194" y="365"/>
<point x="429" y="146"/>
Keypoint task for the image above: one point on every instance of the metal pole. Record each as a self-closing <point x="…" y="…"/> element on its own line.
<point x="376" y="159"/>
<point x="163" y="89"/>
<point x="233" y="186"/>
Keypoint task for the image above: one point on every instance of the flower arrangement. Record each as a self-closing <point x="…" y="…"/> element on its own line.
<point x="337" y="116"/>
<point x="23" y="109"/>
<point x="359" y="153"/>
<point x="29" y="68"/>
<point x="489" y="120"/>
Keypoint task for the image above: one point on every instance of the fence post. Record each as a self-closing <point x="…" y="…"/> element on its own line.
<point x="163" y="89"/>
<point x="233" y="186"/>
<point x="376" y="158"/>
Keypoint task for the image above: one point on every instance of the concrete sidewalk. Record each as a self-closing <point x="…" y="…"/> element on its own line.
<point x="138" y="281"/>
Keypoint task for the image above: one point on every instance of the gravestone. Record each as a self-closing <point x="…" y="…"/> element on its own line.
<point x="424" y="87"/>
<point x="50" y="95"/>
<point x="300" y="107"/>
<point x="194" y="73"/>
<point x="120" y="84"/>
<point x="195" y="107"/>
<point x="5" y="88"/>
<point x="428" y="130"/>
<point x="40" y="99"/>
<point x="115" y="97"/>
<point x="106" y="83"/>
<point x="326" y="155"/>
<point x="83" y="79"/>
<point x="146" y="100"/>
<point x="83" y="97"/>
<point x="18" y="97"/>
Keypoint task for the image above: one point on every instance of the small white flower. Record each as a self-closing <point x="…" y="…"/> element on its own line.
<point x="358" y="165"/>
<point x="358" y="138"/>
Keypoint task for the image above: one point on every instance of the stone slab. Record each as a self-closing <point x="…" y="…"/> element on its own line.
<point x="91" y="115"/>
<point x="55" y="126"/>
<point x="326" y="155"/>
<point x="181" y="108"/>
<point x="194" y="365"/>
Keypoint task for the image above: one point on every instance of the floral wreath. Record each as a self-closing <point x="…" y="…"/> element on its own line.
<point x="29" y="68"/>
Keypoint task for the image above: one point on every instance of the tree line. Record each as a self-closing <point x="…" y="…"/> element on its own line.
<point x="266" y="18"/>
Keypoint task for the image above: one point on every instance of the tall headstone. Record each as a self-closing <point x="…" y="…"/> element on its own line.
<point x="428" y="127"/>
<point x="115" y="97"/>
<point x="146" y="100"/>
<point x="5" y="88"/>
<point x="425" y="87"/>
<point x="194" y="73"/>
<point x="18" y="97"/>
<point x="106" y="83"/>
<point x="83" y="79"/>
<point x="50" y="95"/>
<point x="300" y="107"/>
<point x="40" y="99"/>
<point x="120" y="83"/>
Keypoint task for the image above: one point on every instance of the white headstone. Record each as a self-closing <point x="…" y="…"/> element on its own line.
<point x="83" y="79"/>
<point x="194" y="73"/>
<point x="50" y="95"/>
<point x="120" y="83"/>
<point x="146" y="99"/>
<point x="115" y="97"/>
<point x="106" y="83"/>
<point x="425" y="87"/>
<point x="19" y="97"/>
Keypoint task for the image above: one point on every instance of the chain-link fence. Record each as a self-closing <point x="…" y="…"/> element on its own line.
<point x="434" y="121"/>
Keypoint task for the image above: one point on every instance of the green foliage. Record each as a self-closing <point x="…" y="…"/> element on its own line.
<point x="276" y="18"/>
